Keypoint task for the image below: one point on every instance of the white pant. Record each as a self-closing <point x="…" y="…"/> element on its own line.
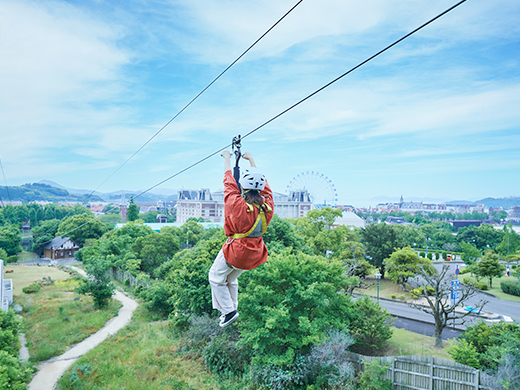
<point x="224" y="284"/>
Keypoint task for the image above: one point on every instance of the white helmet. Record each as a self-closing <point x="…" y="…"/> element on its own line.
<point x="252" y="181"/>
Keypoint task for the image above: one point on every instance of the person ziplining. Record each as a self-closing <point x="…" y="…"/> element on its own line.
<point x="248" y="209"/>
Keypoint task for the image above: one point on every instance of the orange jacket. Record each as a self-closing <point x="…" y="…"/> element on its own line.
<point x="247" y="252"/>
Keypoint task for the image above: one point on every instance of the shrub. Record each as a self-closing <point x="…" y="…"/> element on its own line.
<point x="437" y="255"/>
<point x="465" y="353"/>
<point x="429" y="255"/>
<point x="287" y="377"/>
<point x="464" y="270"/>
<point x="511" y="287"/>
<point x="224" y="357"/>
<point x="465" y="280"/>
<point x="444" y="255"/>
<point x="482" y="286"/>
<point x="158" y="296"/>
<point x="12" y="259"/>
<point x="12" y="374"/>
<point x="328" y="363"/>
<point x="9" y="328"/>
<point x="373" y="377"/>
<point x="421" y="254"/>
<point x="393" y="296"/>
<point x="33" y="288"/>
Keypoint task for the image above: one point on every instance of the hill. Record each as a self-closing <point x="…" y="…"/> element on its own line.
<point x="39" y="191"/>
<point x="505" y="203"/>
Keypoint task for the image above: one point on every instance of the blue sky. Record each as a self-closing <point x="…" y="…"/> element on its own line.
<point x="84" y="84"/>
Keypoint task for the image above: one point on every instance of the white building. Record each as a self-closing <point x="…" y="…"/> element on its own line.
<point x="210" y="206"/>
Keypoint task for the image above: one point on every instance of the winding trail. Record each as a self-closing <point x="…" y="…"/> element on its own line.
<point x="51" y="370"/>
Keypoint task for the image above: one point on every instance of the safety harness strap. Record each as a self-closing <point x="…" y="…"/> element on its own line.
<point x="260" y="225"/>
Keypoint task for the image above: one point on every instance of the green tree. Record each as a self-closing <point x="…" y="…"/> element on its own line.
<point x="288" y="304"/>
<point x="43" y="234"/>
<point x="403" y="264"/>
<point x="489" y="267"/>
<point x="282" y="234"/>
<point x="154" y="249"/>
<point x="380" y="242"/>
<point x="133" y="211"/>
<point x="371" y="326"/>
<point x="98" y="284"/>
<point x="510" y="243"/>
<point x="81" y="227"/>
<point x="412" y="236"/>
<point x="187" y="278"/>
<point x="10" y="240"/>
<point x="191" y="232"/>
<point x="470" y="253"/>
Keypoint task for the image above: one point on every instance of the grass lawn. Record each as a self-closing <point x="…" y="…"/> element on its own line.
<point x="404" y="342"/>
<point x="387" y="288"/>
<point x="25" y="256"/>
<point x="495" y="290"/>
<point x="141" y="353"/>
<point x="25" y="275"/>
<point x="55" y="318"/>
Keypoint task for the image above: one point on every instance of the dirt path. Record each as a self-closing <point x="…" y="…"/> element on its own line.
<point x="50" y="371"/>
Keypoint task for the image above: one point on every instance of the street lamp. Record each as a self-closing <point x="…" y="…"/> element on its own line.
<point x="378" y="278"/>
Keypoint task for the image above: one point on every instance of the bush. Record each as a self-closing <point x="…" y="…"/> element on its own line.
<point x="421" y="254"/>
<point x="465" y="353"/>
<point x="12" y="374"/>
<point x="393" y="296"/>
<point x="437" y="255"/>
<point x="33" y="288"/>
<point x="464" y="270"/>
<point x="444" y="255"/>
<point x="12" y="259"/>
<point x="287" y="377"/>
<point x="9" y="328"/>
<point x="373" y="377"/>
<point x="465" y="280"/>
<point x="224" y="357"/>
<point x="158" y="300"/>
<point x="328" y="363"/>
<point x="429" y="255"/>
<point x="482" y="286"/>
<point x="511" y="287"/>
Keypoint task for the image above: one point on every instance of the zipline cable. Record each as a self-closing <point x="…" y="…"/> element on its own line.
<point x="311" y="95"/>
<point x="197" y="96"/>
<point x="297" y="103"/>
<point x="192" y="100"/>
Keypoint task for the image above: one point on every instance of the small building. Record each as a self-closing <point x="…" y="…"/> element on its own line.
<point x="61" y="248"/>
<point x="161" y="218"/>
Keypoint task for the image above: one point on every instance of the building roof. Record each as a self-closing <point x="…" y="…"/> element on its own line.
<point x="349" y="219"/>
<point x="57" y="242"/>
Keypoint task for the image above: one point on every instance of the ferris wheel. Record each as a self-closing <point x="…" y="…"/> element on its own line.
<point x="319" y="187"/>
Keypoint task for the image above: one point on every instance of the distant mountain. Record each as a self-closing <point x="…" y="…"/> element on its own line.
<point x="462" y="203"/>
<point x="505" y="203"/>
<point x="40" y="191"/>
<point x="116" y="196"/>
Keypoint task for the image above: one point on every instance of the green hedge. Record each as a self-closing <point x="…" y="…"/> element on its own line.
<point x="482" y="286"/>
<point x="511" y="287"/>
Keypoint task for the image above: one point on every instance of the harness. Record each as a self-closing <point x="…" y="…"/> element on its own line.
<point x="260" y="225"/>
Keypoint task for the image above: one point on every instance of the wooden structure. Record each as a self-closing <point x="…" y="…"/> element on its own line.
<point x="427" y="373"/>
<point x="61" y="248"/>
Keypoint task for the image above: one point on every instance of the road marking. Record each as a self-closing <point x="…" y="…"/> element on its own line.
<point x="507" y="319"/>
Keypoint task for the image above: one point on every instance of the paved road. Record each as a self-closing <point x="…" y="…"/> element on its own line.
<point x="50" y="371"/>
<point x="425" y="329"/>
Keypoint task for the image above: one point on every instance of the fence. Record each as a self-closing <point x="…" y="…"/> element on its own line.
<point x="6" y="289"/>
<point x="428" y="373"/>
<point x="123" y="276"/>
